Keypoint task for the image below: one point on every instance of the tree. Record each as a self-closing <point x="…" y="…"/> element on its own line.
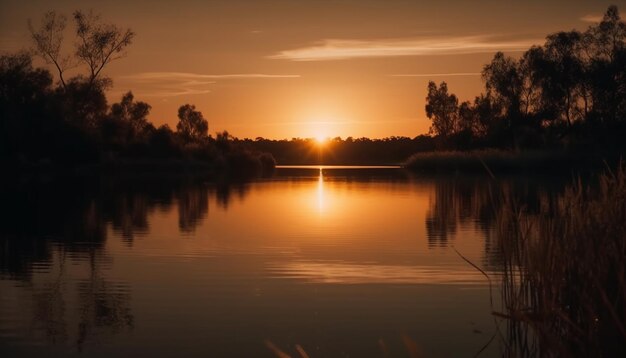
<point x="223" y="141"/>
<point x="192" y="124"/>
<point x="132" y="113"/>
<point x="441" y="108"/>
<point x="606" y="43"/>
<point x="467" y="118"/>
<point x="24" y="93"/>
<point x="504" y="84"/>
<point x="96" y="45"/>
<point x="81" y="104"/>
<point x="126" y="124"/>
<point x="561" y="71"/>
<point x="607" y="37"/>
<point x="48" y="38"/>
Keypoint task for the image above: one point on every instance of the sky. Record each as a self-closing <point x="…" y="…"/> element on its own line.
<point x="285" y="68"/>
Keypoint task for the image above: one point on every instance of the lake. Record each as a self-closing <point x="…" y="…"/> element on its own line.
<point x="315" y="261"/>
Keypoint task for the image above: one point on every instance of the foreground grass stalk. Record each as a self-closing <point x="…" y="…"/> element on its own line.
<point x="563" y="282"/>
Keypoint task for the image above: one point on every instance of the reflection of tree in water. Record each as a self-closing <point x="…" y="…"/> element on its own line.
<point x="457" y="201"/>
<point x="193" y="205"/>
<point x="477" y="201"/>
<point x="50" y="307"/>
<point x="103" y="306"/>
<point x="61" y="227"/>
<point x="129" y="215"/>
<point x="193" y="201"/>
<point x="38" y="218"/>
<point x="441" y="219"/>
<point x="127" y="204"/>
<point x="224" y="193"/>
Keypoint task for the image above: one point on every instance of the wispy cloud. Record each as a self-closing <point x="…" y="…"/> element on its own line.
<point x="197" y="76"/>
<point x="336" y="49"/>
<point x="436" y="74"/>
<point x="591" y="18"/>
<point x="170" y="84"/>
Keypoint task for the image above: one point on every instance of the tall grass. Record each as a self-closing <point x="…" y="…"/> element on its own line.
<point x="564" y="277"/>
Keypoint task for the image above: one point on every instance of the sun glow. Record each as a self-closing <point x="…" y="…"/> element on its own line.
<point x="320" y="139"/>
<point x="321" y="128"/>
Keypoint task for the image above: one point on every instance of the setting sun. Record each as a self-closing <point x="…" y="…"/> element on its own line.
<point x="320" y="139"/>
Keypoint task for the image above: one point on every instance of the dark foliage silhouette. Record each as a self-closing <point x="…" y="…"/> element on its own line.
<point x="47" y="126"/>
<point x="569" y="94"/>
<point x="192" y="124"/>
<point x="566" y="95"/>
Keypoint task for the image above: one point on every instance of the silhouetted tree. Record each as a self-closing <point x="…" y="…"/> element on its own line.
<point x="606" y="44"/>
<point x="96" y="45"/>
<point x="191" y="125"/>
<point x="48" y="38"/>
<point x="503" y="82"/>
<point x="24" y="93"/>
<point x="131" y="112"/>
<point x="222" y="141"/>
<point x="571" y="91"/>
<point x="99" y="43"/>
<point x="441" y="108"/>
<point x="163" y="142"/>
<point x="126" y="124"/>
<point x="559" y="69"/>
<point x="81" y="103"/>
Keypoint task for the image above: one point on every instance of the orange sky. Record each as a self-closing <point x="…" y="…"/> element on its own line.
<point x="282" y="69"/>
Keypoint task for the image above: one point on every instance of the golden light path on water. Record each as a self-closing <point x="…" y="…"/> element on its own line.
<point x="326" y="205"/>
<point x="320" y="193"/>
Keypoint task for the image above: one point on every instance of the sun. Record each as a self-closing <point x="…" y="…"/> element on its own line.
<point x="320" y="139"/>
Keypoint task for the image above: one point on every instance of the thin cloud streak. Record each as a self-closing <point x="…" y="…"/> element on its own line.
<point x="436" y="74"/>
<point x="336" y="49"/>
<point x="341" y="121"/>
<point x="591" y="18"/>
<point x="187" y="76"/>
<point x="171" y="84"/>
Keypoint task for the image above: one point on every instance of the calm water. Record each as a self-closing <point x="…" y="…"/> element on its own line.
<point x="335" y="262"/>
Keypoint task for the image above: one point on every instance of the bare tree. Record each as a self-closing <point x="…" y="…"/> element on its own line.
<point x="97" y="43"/>
<point x="48" y="38"/>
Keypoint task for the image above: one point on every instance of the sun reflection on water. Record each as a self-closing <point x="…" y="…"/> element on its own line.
<point x="321" y="207"/>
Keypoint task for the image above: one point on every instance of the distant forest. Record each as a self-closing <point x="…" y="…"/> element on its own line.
<point x="567" y="95"/>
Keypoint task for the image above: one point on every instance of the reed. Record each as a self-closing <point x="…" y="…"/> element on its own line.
<point x="564" y="272"/>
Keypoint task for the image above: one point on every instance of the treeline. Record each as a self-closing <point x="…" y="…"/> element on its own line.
<point x="569" y="94"/>
<point x="364" y="151"/>
<point x="70" y="124"/>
